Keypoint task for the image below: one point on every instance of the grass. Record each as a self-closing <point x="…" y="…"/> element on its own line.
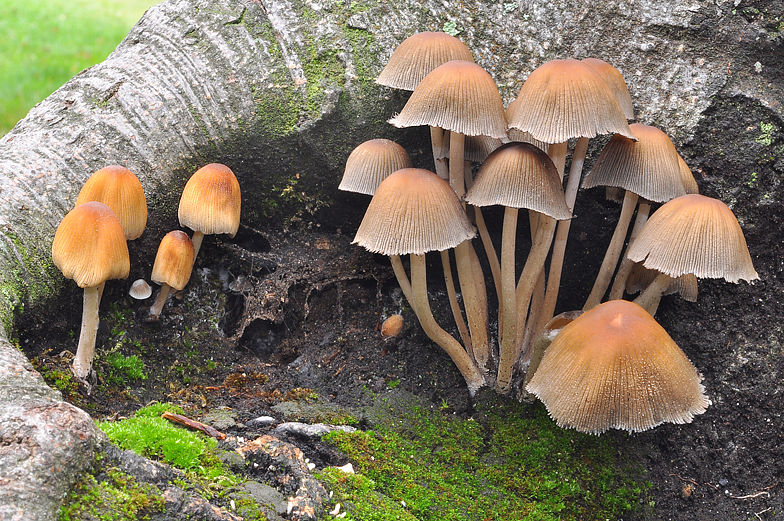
<point x="43" y="43"/>
<point x="428" y="466"/>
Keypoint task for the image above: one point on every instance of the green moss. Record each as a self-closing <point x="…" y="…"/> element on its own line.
<point x="766" y="137"/>
<point x="116" y="497"/>
<point x="517" y="465"/>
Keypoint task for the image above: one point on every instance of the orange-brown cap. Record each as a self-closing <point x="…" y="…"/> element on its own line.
<point x="615" y="80"/>
<point x="564" y="99"/>
<point x="174" y="260"/>
<point x="418" y="55"/>
<point x="689" y="183"/>
<point x="119" y="189"/>
<point x="520" y="175"/>
<point x="370" y="163"/>
<point x="90" y="246"/>
<point x="413" y="211"/>
<point x="210" y="202"/>
<point x="694" y="234"/>
<point x="615" y="367"/>
<point x="647" y="167"/>
<point x="459" y="96"/>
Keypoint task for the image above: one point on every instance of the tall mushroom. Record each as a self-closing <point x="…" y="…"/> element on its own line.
<point x="615" y="367"/>
<point x="412" y="212"/>
<point x="691" y="234"/>
<point x="172" y="267"/>
<point x="210" y="203"/>
<point x="90" y="248"/>
<point x="518" y="175"/>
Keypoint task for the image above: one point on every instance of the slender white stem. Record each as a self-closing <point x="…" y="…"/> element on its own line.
<point x="85" y="352"/>
<point x="475" y="305"/>
<point x="492" y="258"/>
<point x="456" y="312"/>
<point x="437" y="144"/>
<point x="157" y="307"/>
<point x="619" y="284"/>
<point x="456" y="165"/>
<point x="613" y="252"/>
<point x="650" y="297"/>
<point x="197" y="239"/>
<point x="402" y="278"/>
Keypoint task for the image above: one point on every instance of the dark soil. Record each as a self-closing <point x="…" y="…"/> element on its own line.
<point x="268" y="318"/>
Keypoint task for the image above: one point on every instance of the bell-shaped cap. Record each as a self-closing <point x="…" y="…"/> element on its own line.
<point x="210" y="202"/>
<point x="174" y="260"/>
<point x="90" y="246"/>
<point x="119" y="189"/>
<point x="520" y="175"/>
<point x="412" y="212"/>
<point x="694" y="234"/>
<point x="615" y="367"/>
<point x="418" y="55"/>
<point x="617" y="84"/>
<point x="370" y="163"/>
<point x="140" y="290"/>
<point x="648" y="167"/>
<point x="518" y="135"/>
<point x="564" y="99"/>
<point x="459" y="96"/>
<point x="689" y="183"/>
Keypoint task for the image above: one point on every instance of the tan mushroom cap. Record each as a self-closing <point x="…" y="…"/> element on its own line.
<point x="520" y="175"/>
<point x="564" y="99"/>
<point x="689" y="183"/>
<point x="648" y="167"/>
<point x="418" y="55"/>
<point x="174" y="260"/>
<point x="615" y="367"/>
<point x="412" y="212"/>
<point x="518" y="135"/>
<point x="90" y="246"/>
<point x="370" y="163"/>
<point x="459" y="96"/>
<point x="694" y="234"/>
<point x="119" y="189"/>
<point x="210" y="202"/>
<point x="615" y="80"/>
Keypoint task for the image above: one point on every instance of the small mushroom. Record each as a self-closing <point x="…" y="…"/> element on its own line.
<point x="90" y="248"/>
<point x="140" y="290"/>
<point x="172" y="267"/>
<point x="210" y="203"/>
<point x="370" y="163"/>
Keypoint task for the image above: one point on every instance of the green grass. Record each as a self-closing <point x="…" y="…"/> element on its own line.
<point x="43" y="43"/>
<point x="518" y="466"/>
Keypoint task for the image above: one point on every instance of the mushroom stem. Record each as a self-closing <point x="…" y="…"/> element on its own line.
<point x="508" y="331"/>
<point x="562" y="233"/>
<point x="619" y="284"/>
<point x="613" y="252"/>
<point x="197" y="238"/>
<point x="157" y="307"/>
<point x="475" y="305"/>
<point x="471" y="373"/>
<point x="492" y="258"/>
<point x="650" y="297"/>
<point x="437" y="144"/>
<point x="456" y="164"/>
<point x="83" y="361"/>
<point x="402" y="278"/>
<point x="456" y="313"/>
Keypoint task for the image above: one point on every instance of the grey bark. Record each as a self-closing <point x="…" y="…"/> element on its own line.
<point x="282" y="91"/>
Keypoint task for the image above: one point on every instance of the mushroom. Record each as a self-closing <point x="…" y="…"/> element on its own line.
<point x="647" y="168"/>
<point x="90" y="247"/>
<point x="140" y="290"/>
<point x="691" y="234"/>
<point x="172" y="267"/>
<point x="370" y="163"/>
<point x="615" y="81"/>
<point x="412" y="212"/>
<point x="615" y="367"/>
<point x="560" y="100"/>
<point x="518" y="175"/>
<point x="119" y="189"/>
<point x="210" y="203"/>
<point x="414" y="59"/>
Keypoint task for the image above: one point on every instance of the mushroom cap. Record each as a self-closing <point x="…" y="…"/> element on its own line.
<point x="689" y="183"/>
<point x="640" y="278"/>
<point x="615" y="367"/>
<point x="90" y="247"/>
<point x="140" y="290"/>
<point x="694" y="234"/>
<point x="564" y="99"/>
<point x="119" y="189"/>
<point x="518" y="135"/>
<point x="418" y="55"/>
<point x="647" y="167"/>
<point x="210" y="202"/>
<point x="174" y="260"/>
<point x="370" y="163"/>
<point x="520" y="175"/>
<point x="615" y="80"/>
<point x="477" y="148"/>
<point x="412" y="212"/>
<point x="459" y="96"/>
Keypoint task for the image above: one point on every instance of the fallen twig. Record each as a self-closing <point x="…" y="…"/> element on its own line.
<point x="193" y="424"/>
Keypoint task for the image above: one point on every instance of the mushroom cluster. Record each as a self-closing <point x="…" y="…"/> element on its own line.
<point x="592" y="367"/>
<point x="90" y="246"/>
